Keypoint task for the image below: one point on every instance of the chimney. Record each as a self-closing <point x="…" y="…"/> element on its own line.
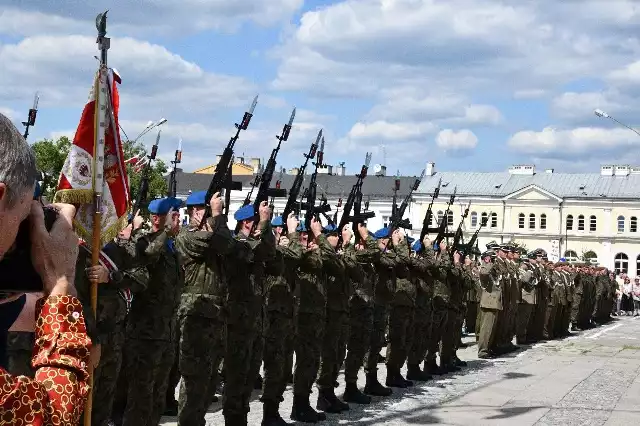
<point x="341" y="169"/>
<point x="255" y="163"/>
<point x="606" y="170"/>
<point x="522" y="169"/>
<point x="549" y="171"/>
<point x="430" y="170"/>
<point x="622" y="170"/>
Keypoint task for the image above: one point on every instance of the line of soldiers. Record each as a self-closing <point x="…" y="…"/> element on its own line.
<point x="175" y="303"/>
<point x="533" y="300"/>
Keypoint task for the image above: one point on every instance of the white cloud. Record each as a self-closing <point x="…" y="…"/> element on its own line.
<point x="582" y="142"/>
<point x="8" y="112"/>
<point x="456" y="142"/>
<point x="173" y="17"/>
<point x="529" y="93"/>
<point x="154" y="79"/>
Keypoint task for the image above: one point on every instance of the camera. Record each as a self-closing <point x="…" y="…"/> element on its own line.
<point x="16" y="269"/>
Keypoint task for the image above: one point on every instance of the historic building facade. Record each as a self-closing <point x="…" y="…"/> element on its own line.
<point x="572" y="216"/>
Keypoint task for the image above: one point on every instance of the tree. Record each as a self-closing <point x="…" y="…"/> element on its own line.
<point x="588" y="255"/>
<point x="51" y="155"/>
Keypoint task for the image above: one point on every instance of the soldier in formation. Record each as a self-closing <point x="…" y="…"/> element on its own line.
<point x="201" y="295"/>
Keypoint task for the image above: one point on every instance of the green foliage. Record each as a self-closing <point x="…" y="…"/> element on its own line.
<point x="51" y="155"/>
<point x="588" y="255"/>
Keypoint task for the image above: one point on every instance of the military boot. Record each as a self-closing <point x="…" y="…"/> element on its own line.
<point x="329" y="402"/>
<point x="432" y="368"/>
<point x="395" y="379"/>
<point x="236" y="419"/>
<point x="271" y="415"/>
<point x="301" y="410"/>
<point x="414" y="373"/>
<point x="353" y="394"/>
<point x="374" y="387"/>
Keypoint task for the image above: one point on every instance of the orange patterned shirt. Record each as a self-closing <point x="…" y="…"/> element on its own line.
<point x="57" y="394"/>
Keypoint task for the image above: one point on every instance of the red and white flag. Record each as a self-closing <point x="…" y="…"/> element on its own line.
<point x="95" y="163"/>
<point x="134" y="160"/>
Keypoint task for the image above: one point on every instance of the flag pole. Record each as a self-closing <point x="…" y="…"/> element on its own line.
<point x="100" y="126"/>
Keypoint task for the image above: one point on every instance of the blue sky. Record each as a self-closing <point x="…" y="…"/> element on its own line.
<point x="470" y="86"/>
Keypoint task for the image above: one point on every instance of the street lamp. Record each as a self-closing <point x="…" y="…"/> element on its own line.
<point x="150" y="126"/>
<point x="600" y="113"/>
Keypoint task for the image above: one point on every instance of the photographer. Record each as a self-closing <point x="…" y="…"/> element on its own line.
<point x="60" y="386"/>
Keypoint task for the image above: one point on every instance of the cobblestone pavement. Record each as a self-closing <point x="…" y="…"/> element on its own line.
<point x="591" y="378"/>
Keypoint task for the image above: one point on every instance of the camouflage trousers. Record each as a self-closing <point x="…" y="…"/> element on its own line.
<point x="461" y="313"/>
<point x="380" y="315"/>
<point x="105" y="377"/>
<point x="243" y="355"/>
<point x="419" y="334"/>
<point x="278" y="332"/>
<point x="449" y="338"/>
<point x="19" y="353"/>
<point x="309" y="329"/>
<point x="200" y="351"/>
<point x="147" y="370"/>
<point x="334" y="347"/>
<point x="360" y="325"/>
<point x="174" y="374"/>
<point x="577" y="305"/>
<point x="400" y="322"/>
<point x="439" y="319"/>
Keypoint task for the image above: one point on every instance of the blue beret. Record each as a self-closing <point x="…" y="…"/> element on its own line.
<point x="330" y="229"/>
<point x="162" y="205"/>
<point x="245" y="213"/>
<point x="381" y="233"/>
<point x="277" y="221"/>
<point x="417" y="246"/>
<point x="301" y="227"/>
<point x="129" y="217"/>
<point x="37" y="191"/>
<point x="196" y="198"/>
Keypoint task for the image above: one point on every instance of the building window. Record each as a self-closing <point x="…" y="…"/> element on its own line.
<point x="385" y="221"/>
<point x="637" y="264"/>
<point x="484" y="218"/>
<point x="621" y="263"/>
<point x="592" y="224"/>
<point x="494" y="220"/>
<point x="474" y="219"/>
<point x="521" y="221"/>
<point x="543" y="221"/>
<point x="570" y="255"/>
<point x="449" y="218"/>
<point x="532" y="221"/>
<point x="633" y="224"/>
<point x="580" y="223"/>
<point x="620" y="223"/>
<point x="569" y="225"/>
<point x="440" y="215"/>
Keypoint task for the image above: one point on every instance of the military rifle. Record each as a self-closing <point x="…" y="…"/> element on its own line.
<point x="352" y="208"/>
<point x="143" y="191"/>
<point x="219" y="178"/>
<point x="442" y="228"/>
<point x="31" y="118"/>
<point x="311" y="210"/>
<point x="177" y="159"/>
<point x="457" y="236"/>
<point x="397" y="220"/>
<point x="272" y="202"/>
<point x="292" y="202"/>
<point x="264" y="191"/>
<point x="473" y="242"/>
<point x="428" y="217"/>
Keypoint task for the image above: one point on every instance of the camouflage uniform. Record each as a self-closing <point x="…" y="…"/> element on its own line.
<point x="422" y="268"/>
<point x="151" y="332"/>
<point x="400" y="317"/>
<point x="336" y="327"/>
<point x="278" y="322"/>
<point x="450" y="333"/>
<point x="360" y="310"/>
<point x="309" y="313"/>
<point x="439" y="313"/>
<point x="244" y="340"/>
<point x="200" y="315"/>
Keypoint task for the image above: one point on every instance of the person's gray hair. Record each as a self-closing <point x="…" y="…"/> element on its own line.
<point x="17" y="163"/>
